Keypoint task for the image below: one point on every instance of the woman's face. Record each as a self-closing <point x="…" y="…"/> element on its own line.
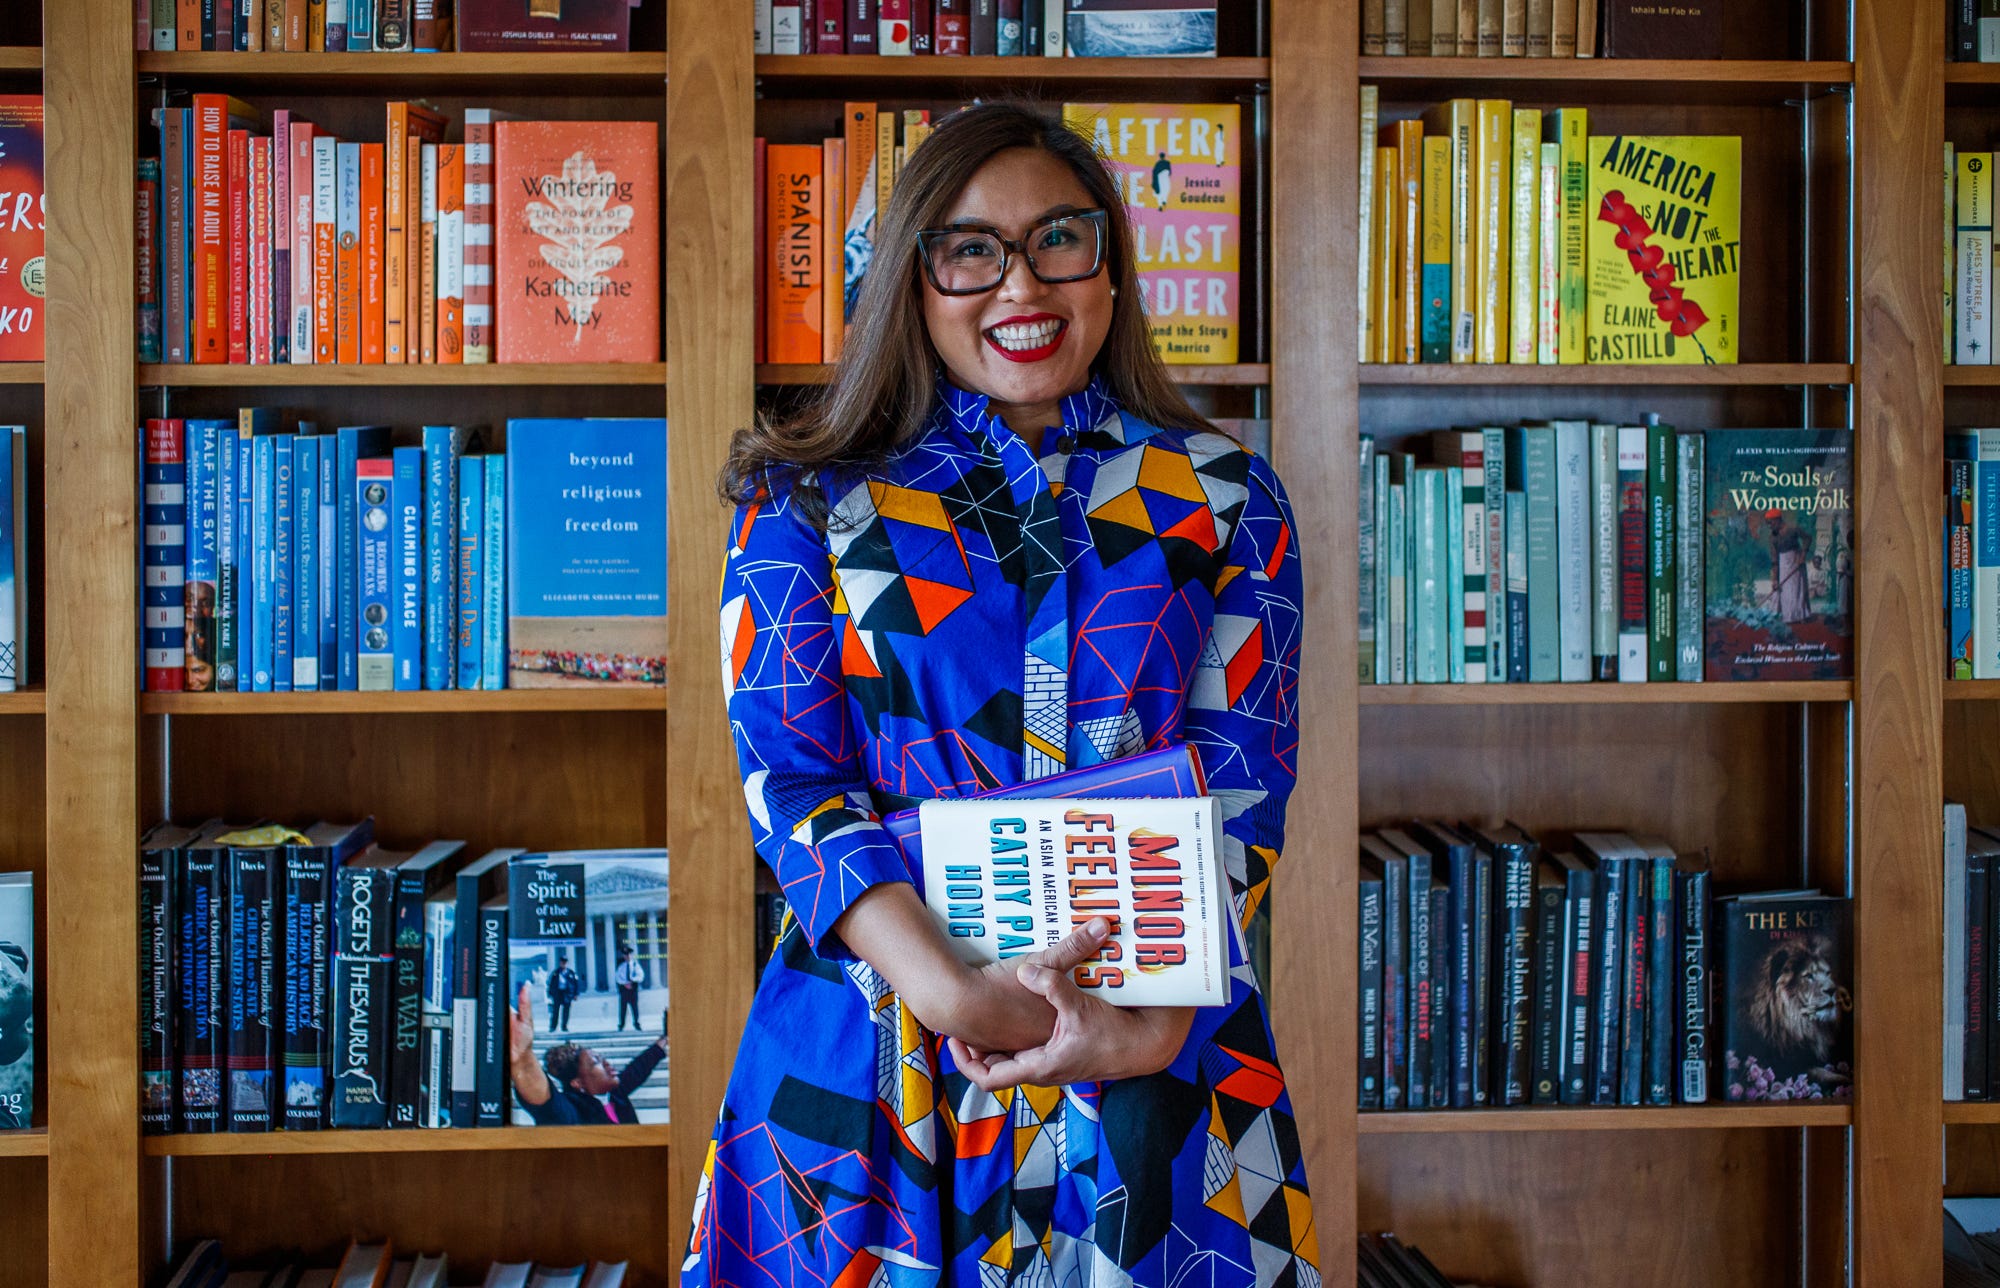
<point x="1051" y="333"/>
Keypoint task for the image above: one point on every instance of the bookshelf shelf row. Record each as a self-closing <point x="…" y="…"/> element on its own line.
<point x="1714" y="82"/>
<point x="896" y="76"/>
<point x="816" y="373"/>
<point x="380" y="375"/>
<point x="1970" y="377"/>
<point x="32" y="1143"/>
<point x="1969" y="1112"/>
<point x="20" y="373"/>
<point x="1745" y="373"/>
<point x="442" y="1141"/>
<point x="20" y="58"/>
<point x="1572" y="1119"/>
<point x="1602" y="694"/>
<point x="524" y="73"/>
<point x="23" y="702"/>
<point x="452" y="701"/>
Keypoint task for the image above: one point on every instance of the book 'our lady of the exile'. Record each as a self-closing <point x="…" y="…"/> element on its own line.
<point x="1008" y="878"/>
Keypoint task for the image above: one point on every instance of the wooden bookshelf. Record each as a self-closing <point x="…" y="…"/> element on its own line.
<point x="1600" y="694"/>
<point x="378" y="375"/>
<point x="20" y="373"/>
<point x="446" y="701"/>
<point x="31" y="1143"/>
<point x="1576" y="1119"/>
<point x="484" y="1140"/>
<point x="20" y="58"/>
<point x="1709" y="82"/>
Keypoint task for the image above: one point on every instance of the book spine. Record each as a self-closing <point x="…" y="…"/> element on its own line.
<point x="1395" y="974"/>
<point x="304" y="255"/>
<point x="1034" y="24"/>
<point x="188" y="19"/>
<point x="434" y="1083"/>
<point x="252" y="1055"/>
<point x="1635" y="1002"/>
<point x="1365" y="262"/>
<point x="246" y="554"/>
<point x="1541" y="21"/>
<point x="1518" y="622"/>
<point x="146" y="261"/>
<point x="201" y="970"/>
<point x="471" y="526"/>
<point x="1368" y="546"/>
<point x="334" y="38"/>
<point x="406" y="517"/>
<point x="1054" y="33"/>
<point x="451" y="254"/>
<point x="432" y="26"/>
<point x="306" y="556"/>
<point x="1515" y="987"/>
<point x="347" y="448"/>
<point x="1958" y="568"/>
<point x="1396" y="27"/>
<point x="493" y="1011"/>
<point x="425" y="343"/>
<point x="787" y="27"/>
<point x="1562" y="29"/>
<point x="1544" y="557"/>
<point x="1950" y="251"/>
<point x="1474" y="534"/>
<point x="1494" y="165"/>
<point x="1398" y="509"/>
<point x="164" y="26"/>
<point x="861" y="26"/>
<point x="1606" y="1003"/>
<point x="1417" y="1057"/>
<point x="209" y="217"/>
<point x="165" y="614"/>
<point x="1436" y="285"/>
<point x="1513" y="28"/>
<point x="1374" y="28"/>
<point x="362" y="921"/>
<point x="263" y="577"/>
<point x="954" y="28"/>
<point x="479" y="235"/>
<point x="831" y="29"/>
<point x="369" y="271"/>
<point x="375" y="659"/>
<point x="1464" y="979"/>
<point x="1545" y="1061"/>
<point x="237" y="261"/>
<point x="1660" y="985"/>
<point x="1689" y="604"/>
<point x="465" y="1006"/>
<point x="1978" y="974"/>
<point x="1573" y="533"/>
<point x="1525" y="228"/>
<point x="1370" y="1046"/>
<point x="406" y="999"/>
<point x="261" y="294"/>
<point x="1691" y="1030"/>
<point x="200" y="533"/>
<point x="1428" y="600"/>
<point x="1454" y="577"/>
<point x="325" y="237"/>
<point x="415" y="235"/>
<point x="441" y="453"/>
<point x="1971" y="297"/>
<point x="985" y="28"/>
<point x="1548" y="272"/>
<point x="157" y="1092"/>
<point x="493" y="578"/>
<point x="1572" y="124"/>
<point x="1603" y="552"/>
<point x="1986" y="557"/>
<point x="297" y="26"/>
<point x="1379" y="467"/>
<point x="1661" y="553"/>
<point x="1482" y="996"/>
<point x="361" y="26"/>
<point x="1465" y="262"/>
<point x="332" y="571"/>
<point x="892" y="28"/>
<point x="347" y="254"/>
<point x="283" y="533"/>
<point x="1632" y="601"/>
<point x="1579" y="927"/>
<point x="1987" y="908"/>
<point x="395" y="225"/>
<point x="175" y="322"/>
<point x="1443" y="1006"/>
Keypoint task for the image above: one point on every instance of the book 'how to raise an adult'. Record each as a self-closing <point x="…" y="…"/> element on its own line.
<point x="1009" y="878"/>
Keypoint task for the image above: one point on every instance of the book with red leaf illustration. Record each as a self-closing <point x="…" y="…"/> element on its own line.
<point x="577" y="241"/>
<point x="1664" y="248"/>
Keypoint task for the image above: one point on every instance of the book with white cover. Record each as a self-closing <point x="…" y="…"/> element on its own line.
<point x="1008" y="878"/>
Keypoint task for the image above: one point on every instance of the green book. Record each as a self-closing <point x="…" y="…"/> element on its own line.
<point x="1399" y="579"/>
<point x="1428" y="603"/>
<point x="1366" y="541"/>
<point x="1534" y="447"/>
<point x="1661" y="553"/>
<point x="1689" y="606"/>
<point x="1380" y="469"/>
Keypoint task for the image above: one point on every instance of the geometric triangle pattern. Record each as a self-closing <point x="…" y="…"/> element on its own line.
<point x="966" y="615"/>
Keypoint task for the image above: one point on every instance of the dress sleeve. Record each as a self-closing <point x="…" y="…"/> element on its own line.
<point x="809" y="801"/>
<point x="1242" y="709"/>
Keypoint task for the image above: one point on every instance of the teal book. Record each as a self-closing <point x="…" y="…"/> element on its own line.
<point x="1455" y="564"/>
<point x="1368" y="550"/>
<point x="1406" y="462"/>
<point x="1660" y="550"/>
<point x="1687" y="566"/>
<point x="1399" y="582"/>
<point x="1428" y="534"/>
<point x="1534" y="446"/>
<point x="1493" y="448"/>
<point x="1383" y="546"/>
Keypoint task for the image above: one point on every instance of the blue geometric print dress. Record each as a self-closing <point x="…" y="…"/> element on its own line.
<point x="974" y="617"/>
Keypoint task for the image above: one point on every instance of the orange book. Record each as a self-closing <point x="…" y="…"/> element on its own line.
<point x="427" y="221"/>
<point x="326" y="204"/>
<point x="857" y="191"/>
<point x="833" y="175"/>
<point x="371" y="252"/>
<point x="576" y="229"/>
<point x="397" y="160"/>
<point x="792" y="186"/>
<point x="451" y="253"/>
<point x="347" y="257"/>
<point x="295" y="26"/>
<point x="1408" y="217"/>
<point x="189" y="14"/>
<point x="413" y="246"/>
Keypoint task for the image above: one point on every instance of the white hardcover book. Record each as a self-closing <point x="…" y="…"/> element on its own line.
<point x="760" y="40"/>
<point x="1954" y="951"/>
<point x="1548" y="279"/>
<point x="1364" y="263"/>
<point x="1573" y="542"/>
<point x="1989" y="40"/>
<point x="1054" y="44"/>
<point x="1631" y="642"/>
<point x="1009" y="878"/>
<point x="1603" y="546"/>
<point x="787" y="25"/>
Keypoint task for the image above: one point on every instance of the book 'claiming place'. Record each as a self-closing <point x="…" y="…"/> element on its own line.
<point x="1006" y="879"/>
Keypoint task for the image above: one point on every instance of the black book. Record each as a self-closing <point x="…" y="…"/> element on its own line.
<point x="306" y="965"/>
<point x="1545" y="1061"/>
<point x="1031" y="29"/>
<point x="1369" y="1069"/>
<point x="254" y="859"/>
<point x="1614" y="857"/>
<point x="1787" y="995"/>
<point x="1965" y="39"/>
<point x="1514" y="854"/>
<point x="1978" y="966"/>
<point x="1579" y="923"/>
<point x="201" y="977"/>
<point x="1471" y="881"/>
<point x="159" y="856"/>
<point x="363" y="925"/>
<point x="1426" y="1274"/>
<point x="1418" y="1016"/>
<point x="1395" y="968"/>
<point x="491" y="1078"/>
<point x="985" y="27"/>
<point x="1632" y="1023"/>
<point x="1692" y="1019"/>
<point x="1443" y="1000"/>
<point x="1660" y="983"/>
<point x="417" y="879"/>
<point x="473" y="885"/>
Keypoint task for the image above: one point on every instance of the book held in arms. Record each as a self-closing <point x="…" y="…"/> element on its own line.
<point x="17" y="999"/>
<point x="1786" y="996"/>
<point x="587" y="938"/>
<point x="1180" y="169"/>
<point x="22" y="268"/>
<point x="1664" y="244"/>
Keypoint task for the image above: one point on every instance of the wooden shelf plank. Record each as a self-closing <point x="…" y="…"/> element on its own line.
<point x="1971" y="690"/>
<point x="381" y="375"/>
<point x="23" y="702"/>
<point x="1496" y="695"/>
<point x="443" y="1140"/>
<point x="1971" y="1112"/>
<point x="816" y="373"/>
<point x="20" y="58"/>
<point x="1744" y="373"/>
<point x="1569" y="1118"/>
<point x="1955" y="374"/>
<point x="899" y="76"/>
<point x="20" y="373"/>
<point x="651" y="697"/>
<point x="30" y="1143"/>
<point x="523" y="73"/>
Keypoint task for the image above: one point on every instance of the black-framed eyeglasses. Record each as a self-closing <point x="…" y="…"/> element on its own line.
<point x="966" y="259"/>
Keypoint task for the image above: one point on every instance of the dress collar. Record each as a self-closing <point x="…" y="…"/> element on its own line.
<point x="1091" y="408"/>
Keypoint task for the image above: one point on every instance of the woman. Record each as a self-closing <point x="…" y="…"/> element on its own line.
<point x="1000" y="545"/>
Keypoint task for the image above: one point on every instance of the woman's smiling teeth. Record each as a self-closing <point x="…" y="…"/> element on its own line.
<point x="1022" y="337"/>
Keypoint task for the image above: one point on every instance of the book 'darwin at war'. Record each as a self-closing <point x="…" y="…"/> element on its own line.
<point x="1008" y="878"/>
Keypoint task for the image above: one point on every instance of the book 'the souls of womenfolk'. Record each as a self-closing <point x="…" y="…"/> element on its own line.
<point x="1008" y="878"/>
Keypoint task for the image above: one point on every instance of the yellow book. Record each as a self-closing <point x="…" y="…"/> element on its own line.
<point x="1364" y="264"/>
<point x="885" y="163"/>
<point x="1569" y="129"/>
<point x="1383" y="277"/>
<point x="1437" y="249"/>
<point x="1493" y="162"/>
<point x="1524" y="255"/>
<point x="1458" y="122"/>
<point x="1409" y="239"/>
<point x="1664" y="245"/>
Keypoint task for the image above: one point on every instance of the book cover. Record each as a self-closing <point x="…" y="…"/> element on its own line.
<point x="587" y="940"/>
<point x="236" y="265"/>
<point x="176" y="174"/>
<point x="1661" y="550"/>
<point x="1568" y="128"/>
<point x="1573" y="533"/>
<point x="1613" y="857"/>
<point x="1152" y="866"/>
<point x="1958" y="511"/>
<point x="263" y="575"/>
<point x="493" y="577"/>
<point x="502" y="26"/>
<point x="261" y="295"/>
<point x="254" y="857"/>
<point x="471" y="593"/>
<point x="165" y="554"/>
<point x="418" y="879"/>
<point x="146" y="258"/>
<point x="586" y="543"/>
<point x="375" y="659"/>
<point x="1972" y="292"/>
<point x="363" y="951"/>
<point x="1515" y="855"/>
<point x="1525" y="235"/>
<point x="1465" y="451"/>
<point x="306" y="964"/>
<point x="1661" y="980"/>
<point x="1368" y="984"/>
<point x="796" y="271"/>
<point x="1420" y="1016"/>
<point x="1779" y="557"/>
<point x="1787" y="996"/>
<point x="1444" y="1001"/>
<point x="1493" y="453"/>
<point x="1983" y="447"/>
<point x="1436" y="285"/>
<point x="576" y="241"/>
<point x="1663" y="248"/>
<point x="325" y="247"/>
<point x="1383" y="296"/>
<point x="1368" y="548"/>
<point x="17" y="999"/>
<point x="406" y="584"/>
<point x="451" y="252"/>
<point x="1395" y="977"/>
<point x="331" y="570"/>
<point x="1180" y="168"/>
<point x="1604" y="551"/>
<point x="474" y="886"/>
<point x="208" y="217"/>
<point x="370" y="253"/>
<point x="493" y="1035"/>
<point x="434" y="1077"/>
<point x="347" y="253"/>
<point x="1688" y="590"/>
<point x="1645" y="29"/>
<point x="478" y="269"/>
<point x="1632" y="602"/>
<point x="1492" y="168"/>
<point x="243" y="603"/>
<point x="1548" y="247"/>
<point x="1545" y="982"/>
<point x="1518" y="628"/>
<point x="158" y="855"/>
<point x="833" y="199"/>
<point x="303" y="258"/>
<point x="1158" y="29"/>
<point x="1579" y="943"/>
<point x="1693" y="1015"/>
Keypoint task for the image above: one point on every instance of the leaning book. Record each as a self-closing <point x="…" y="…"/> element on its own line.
<point x="1008" y="878"/>
<point x="1787" y="995"/>
<point x="1663" y="249"/>
<point x="17" y="998"/>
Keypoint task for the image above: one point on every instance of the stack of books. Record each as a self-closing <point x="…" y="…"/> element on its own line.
<point x="1031" y="28"/>
<point x="371" y="1265"/>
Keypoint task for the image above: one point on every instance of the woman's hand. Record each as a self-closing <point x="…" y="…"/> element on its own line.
<point x="994" y="1011"/>
<point x="1092" y="1041"/>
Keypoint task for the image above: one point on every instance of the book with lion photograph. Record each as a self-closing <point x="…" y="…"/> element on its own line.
<point x="1787" y="996"/>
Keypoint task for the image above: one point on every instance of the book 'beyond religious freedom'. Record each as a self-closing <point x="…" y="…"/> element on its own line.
<point x="582" y="909"/>
<point x="1663" y="246"/>
<point x="17" y="998"/>
<point x="21" y="208"/>
<point x="1786" y="996"/>
<point x="586" y="531"/>
<point x="1780" y="553"/>
<point x="504" y="26"/>
<point x="1180" y="168"/>
<point x="577" y="241"/>
<point x="1009" y="878"/>
<point x="1650" y="29"/>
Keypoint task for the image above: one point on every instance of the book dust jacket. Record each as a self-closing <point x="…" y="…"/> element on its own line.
<point x="1180" y="168"/>
<point x="1664" y="241"/>
<point x="21" y="207"/>
<point x="1779" y="557"/>
<point x="1787" y="997"/>
<point x="17" y="999"/>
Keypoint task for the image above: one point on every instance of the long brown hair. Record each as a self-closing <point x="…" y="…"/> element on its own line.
<point x="882" y="386"/>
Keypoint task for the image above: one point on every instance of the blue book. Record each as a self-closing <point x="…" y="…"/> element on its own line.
<point x="246" y="565"/>
<point x="407" y="574"/>
<point x="471" y="594"/>
<point x="226" y="575"/>
<point x="360" y="28"/>
<point x="305" y="562"/>
<point x="375" y="656"/>
<point x="587" y="550"/>
<point x="443" y="446"/>
<point x="493" y="579"/>
<point x="351" y="444"/>
<point x="264" y="540"/>
<point x="283" y="544"/>
<point x="330" y="568"/>
<point x="198" y="582"/>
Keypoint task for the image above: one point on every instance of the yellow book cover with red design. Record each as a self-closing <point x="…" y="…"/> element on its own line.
<point x="1665" y="235"/>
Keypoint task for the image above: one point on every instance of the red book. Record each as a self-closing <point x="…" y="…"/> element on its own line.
<point x="239" y="246"/>
<point x="954" y="27"/>
<point x="261" y="289"/>
<point x="209" y="213"/>
<point x="861" y="19"/>
<point x="892" y="27"/>
<point x="829" y="29"/>
<point x="371" y="252"/>
<point x="21" y="203"/>
<point x="796" y="197"/>
<point x="921" y="13"/>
